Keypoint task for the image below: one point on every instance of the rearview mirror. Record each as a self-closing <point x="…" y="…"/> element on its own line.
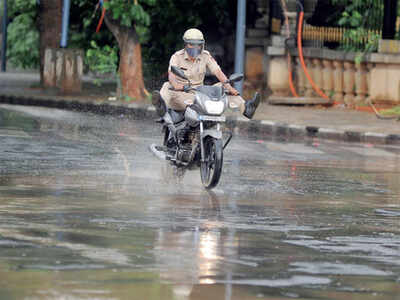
<point x="178" y="72"/>
<point x="236" y="77"/>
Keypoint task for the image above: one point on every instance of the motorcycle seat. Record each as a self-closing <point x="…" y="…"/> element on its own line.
<point x="176" y="116"/>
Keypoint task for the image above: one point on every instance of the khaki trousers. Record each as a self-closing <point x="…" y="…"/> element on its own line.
<point x="179" y="100"/>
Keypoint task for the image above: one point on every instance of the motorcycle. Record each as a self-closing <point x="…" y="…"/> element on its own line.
<point x="193" y="138"/>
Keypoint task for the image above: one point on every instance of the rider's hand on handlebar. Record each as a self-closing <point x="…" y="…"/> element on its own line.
<point x="232" y="90"/>
<point x="177" y="87"/>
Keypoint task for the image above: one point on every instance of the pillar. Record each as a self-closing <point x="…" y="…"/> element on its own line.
<point x="327" y="77"/>
<point x="338" y="81"/>
<point x="361" y="83"/>
<point x="349" y="83"/>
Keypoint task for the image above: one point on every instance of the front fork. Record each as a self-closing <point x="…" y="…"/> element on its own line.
<point x="215" y="133"/>
<point x="201" y="141"/>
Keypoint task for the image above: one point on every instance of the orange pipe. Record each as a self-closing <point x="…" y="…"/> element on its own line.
<point x="101" y="19"/>
<point x="300" y="47"/>
<point x="292" y="89"/>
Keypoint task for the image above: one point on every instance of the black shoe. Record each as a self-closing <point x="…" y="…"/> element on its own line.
<point x="251" y="106"/>
<point x="159" y="103"/>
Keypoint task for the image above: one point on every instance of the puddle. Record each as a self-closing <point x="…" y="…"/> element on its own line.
<point x="85" y="213"/>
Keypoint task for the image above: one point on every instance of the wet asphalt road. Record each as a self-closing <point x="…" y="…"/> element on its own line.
<point x="86" y="213"/>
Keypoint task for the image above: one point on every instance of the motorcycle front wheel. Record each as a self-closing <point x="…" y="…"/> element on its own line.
<point x="211" y="168"/>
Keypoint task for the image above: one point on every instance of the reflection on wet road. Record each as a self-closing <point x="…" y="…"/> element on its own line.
<point x="86" y="213"/>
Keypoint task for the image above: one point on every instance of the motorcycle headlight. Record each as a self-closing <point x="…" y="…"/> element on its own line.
<point x="214" y="107"/>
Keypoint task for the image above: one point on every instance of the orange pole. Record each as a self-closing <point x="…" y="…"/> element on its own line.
<point x="300" y="47"/>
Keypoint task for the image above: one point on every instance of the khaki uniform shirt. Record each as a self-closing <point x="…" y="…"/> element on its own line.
<point x="194" y="70"/>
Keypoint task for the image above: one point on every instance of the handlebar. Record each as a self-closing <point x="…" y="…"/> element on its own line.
<point x="171" y="88"/>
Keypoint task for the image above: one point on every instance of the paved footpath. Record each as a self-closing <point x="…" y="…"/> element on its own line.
<point x="292" y="121"/>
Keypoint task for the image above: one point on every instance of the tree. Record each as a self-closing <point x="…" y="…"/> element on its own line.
<point x="131" y="24"/>
<point x="127" y="21"/>
<point x="50" y="25"/>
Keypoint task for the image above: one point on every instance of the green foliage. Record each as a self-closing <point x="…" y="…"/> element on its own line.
<point x="22" y="52"/>
<point x="361" y="13"/>
<point x="362" y="18"/>
<point x="130" y="13"/>
<point x="102" y="60"/>
<point x="17" y="7"/>
<point x="395" y="111"/>
<point x="159" y="26"/>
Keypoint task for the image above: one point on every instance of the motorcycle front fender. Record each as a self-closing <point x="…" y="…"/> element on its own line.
<point x="217" y="134"/>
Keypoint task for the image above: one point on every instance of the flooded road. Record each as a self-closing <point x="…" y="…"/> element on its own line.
<point x="86" y="213"/>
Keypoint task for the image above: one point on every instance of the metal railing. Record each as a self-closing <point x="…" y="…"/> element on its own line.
<point x="340" y="37"/>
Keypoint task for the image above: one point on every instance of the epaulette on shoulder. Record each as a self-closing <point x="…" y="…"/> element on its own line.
<point x="180" y="52"/>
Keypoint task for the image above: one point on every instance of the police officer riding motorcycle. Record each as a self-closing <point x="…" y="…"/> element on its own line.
<point x="191" y="113"/>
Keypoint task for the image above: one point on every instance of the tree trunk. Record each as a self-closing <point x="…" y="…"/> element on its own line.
<point x="50" y="25"/>
<point x="130" y="63"/>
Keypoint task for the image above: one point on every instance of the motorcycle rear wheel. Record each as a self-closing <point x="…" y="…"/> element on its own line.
<point x="211" y="168"/>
